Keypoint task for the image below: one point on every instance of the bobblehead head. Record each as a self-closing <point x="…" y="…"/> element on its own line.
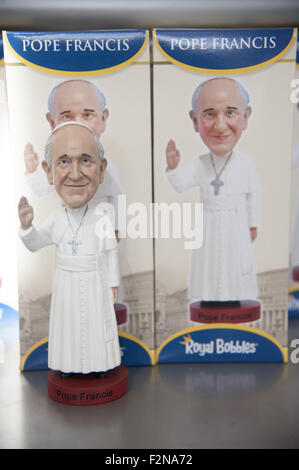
<point x="74" y="163"/>
<point x="220" y="113"/>
<point x="80" y="101"/>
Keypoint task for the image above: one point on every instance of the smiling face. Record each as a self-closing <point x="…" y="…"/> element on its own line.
<point x="78" y="101"/>
<point x="76" y="169"/>
<point x="221" y="117"/>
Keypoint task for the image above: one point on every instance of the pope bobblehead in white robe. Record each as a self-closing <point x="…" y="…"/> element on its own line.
<point x="83" y="335"/>
<point x="223" y="268"/>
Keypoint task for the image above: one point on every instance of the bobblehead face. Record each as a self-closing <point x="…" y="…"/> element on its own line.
<point x="78" y="101"/>
<point x="221" y="117"/>
<point x="76" y="168"/>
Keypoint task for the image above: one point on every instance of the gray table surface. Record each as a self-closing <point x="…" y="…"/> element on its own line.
<point x="170" y="406"/>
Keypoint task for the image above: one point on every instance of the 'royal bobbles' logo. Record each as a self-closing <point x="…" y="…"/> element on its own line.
<point x="224" y="51"/>
<point x="224" y="343"/>
<point x="77" y="52"/>
<point x="218" y="346"/>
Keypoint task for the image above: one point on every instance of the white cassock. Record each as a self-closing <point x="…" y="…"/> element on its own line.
<point x="223" y="268"/>
<point x="107" y="191"/>
<point x="83" y="335"/>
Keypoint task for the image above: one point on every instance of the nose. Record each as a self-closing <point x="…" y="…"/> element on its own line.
<point x="75" y="173"/>
<point x="220" y="122"/>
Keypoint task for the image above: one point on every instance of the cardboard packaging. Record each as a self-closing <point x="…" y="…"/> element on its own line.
<point x="117" y="64"/>
<point x="227" y="239"/>
<point x="9" y="321"/>
<point x="294" y="235"/>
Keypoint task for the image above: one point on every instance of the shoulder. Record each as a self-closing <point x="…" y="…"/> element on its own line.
<point x="245" y="160"/>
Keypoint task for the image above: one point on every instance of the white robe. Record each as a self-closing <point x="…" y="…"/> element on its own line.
<point x="83" y="335"/>
<point x="223" y="268"/>
<point x="107" y="191"/>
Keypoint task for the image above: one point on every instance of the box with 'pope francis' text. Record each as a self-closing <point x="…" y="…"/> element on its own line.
<point x="222" y="157"/>
<point x="99" y="80"/>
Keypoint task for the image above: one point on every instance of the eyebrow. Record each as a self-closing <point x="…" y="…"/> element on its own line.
<point x="212" y="109"/>
<point x="65" y="112"/>
<point x="85" y="155"/>
<point x="87" y="109"/>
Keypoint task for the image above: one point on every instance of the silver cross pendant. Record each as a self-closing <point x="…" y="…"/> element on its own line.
<point x="75" y="245"/>
<point x="217" y="183"/>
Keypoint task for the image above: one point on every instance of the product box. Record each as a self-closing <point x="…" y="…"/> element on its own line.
<point x="222" y="153"/>
<point x="9" y="325"/>
<point x="53" y="77"/>
<point x="294" y="237"/>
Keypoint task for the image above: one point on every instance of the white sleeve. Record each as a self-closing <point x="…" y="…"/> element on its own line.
<point x="184" y="177"/>
<point x="253" y="205"/>
<point x="105" y="233"/>
<point x="112" y="267"/>
<point x="253" y="196"/>
<point x="36" y="239"/>
<point x="38" y="182"/>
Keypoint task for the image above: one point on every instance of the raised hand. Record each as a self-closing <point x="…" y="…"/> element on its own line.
<point x="253" y="233"/>
<point x="115" y="294"/>
<point x="30" y="158"/>
<point x="25" y="213"/>
<point x="172" y="155"/>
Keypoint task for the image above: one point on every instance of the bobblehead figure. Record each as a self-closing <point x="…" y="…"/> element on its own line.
<point x="82" y="101"/>
<point x="222" y="272"/>
<point x="83" y="335"/>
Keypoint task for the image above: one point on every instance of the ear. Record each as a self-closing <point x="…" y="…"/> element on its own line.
<point x="50" y="120"/>
<point x="105" y="115"/>
<point x="48" y="172"/>
<point x="247" y="114"/>
<point x="103" y="166"/>
<point x="194" y="120"/>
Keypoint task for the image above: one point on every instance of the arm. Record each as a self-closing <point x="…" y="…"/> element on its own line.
<point x="105" y="229"/>
<point x="181" y="178"/>
<point x="34" y="240"/>
<point x="253" y="203"/>
<point x="113" y="273"/>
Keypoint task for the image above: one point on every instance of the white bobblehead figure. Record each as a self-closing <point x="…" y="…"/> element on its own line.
<point x="223" y="268"/>
<point x="83" y="334"/>
<point x="74" y="100"/>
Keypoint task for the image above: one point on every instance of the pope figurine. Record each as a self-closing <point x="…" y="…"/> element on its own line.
<point x="222" y="271"/>
<point x="83" y="335"/>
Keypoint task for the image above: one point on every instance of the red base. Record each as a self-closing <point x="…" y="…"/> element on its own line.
<point x="88" y="389"/>
<point x="295" y="273"/>
<point x="121" y="313"/>
<point x="248" y="311"/>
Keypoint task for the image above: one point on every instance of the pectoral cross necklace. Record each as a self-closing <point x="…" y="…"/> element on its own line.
<point x="217" y="182"/>
<point x="75" y="242"/>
